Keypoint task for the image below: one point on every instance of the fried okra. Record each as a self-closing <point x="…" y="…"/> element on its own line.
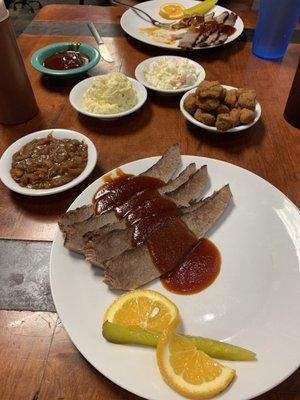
<point x="224" y="122"/>
<point x="235" y="116"/>
<point x="205" y="118"/>
<point x="208" y="104"/>
<point x="212" y="90"/>
<point x="230" y="98"/>
<point x="189" y="103"/>
<point x="213" y="105"/>
<point x="247" y="98"/>
<point x="222" y="109"/>
<point x="244" y="90"/>
<point x="223" y="94"/>
<point x="247" y="116"/>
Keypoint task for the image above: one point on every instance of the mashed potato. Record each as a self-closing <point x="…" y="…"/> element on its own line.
<point x="110" y="94"/>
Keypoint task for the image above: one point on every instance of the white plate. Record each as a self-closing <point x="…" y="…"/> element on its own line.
<point x="6" y="161"/>
<point x="76" y="99"/>
<point x="254" y="302"/>
<point x="239" y="128"/>
<point x="140" y="76"/>
<point x="132" y="23"/>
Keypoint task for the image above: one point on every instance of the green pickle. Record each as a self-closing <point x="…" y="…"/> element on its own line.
<point x="201" y="8"/>
<point x="131" y="335"/>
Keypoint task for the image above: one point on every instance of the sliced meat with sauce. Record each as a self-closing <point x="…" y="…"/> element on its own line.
<point x="136" y="267"/>
<point x="231" y="19"/>
<point x="209" y="17"/>
<point x="196" y="20"/>
<point x="208" y="31"/>
<point x="75" y="234"/>
<point x="210" y="40"/>
<point x="203" y="217"/>
<point x="185" y="194"/>
<point x="164" y="169"/>
<point x="189" y="38"/>
<point x="186" y="21"/>
<point x="180" y="180"/>
<point x="191" y="190"/>
<point x="101" y="247"/>
<point x="222" y="17"/>
<point x="221" y="39"/>
<point x="166" y="166"/>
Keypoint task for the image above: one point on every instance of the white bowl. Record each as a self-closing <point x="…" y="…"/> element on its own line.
<point x="76" y="99"/>
<point x="6" y="161"/>
<point x="139" y="74"/>
<point x="239" y="128"/>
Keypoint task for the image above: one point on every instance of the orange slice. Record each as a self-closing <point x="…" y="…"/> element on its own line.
<point x="144" y="309"/>
<point x="189" y="371"/>
<point x="171" y="11"/>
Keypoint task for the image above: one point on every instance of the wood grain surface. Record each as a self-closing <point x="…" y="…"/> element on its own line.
<point x="37" y="359"/>
<point x="25" y="339"/>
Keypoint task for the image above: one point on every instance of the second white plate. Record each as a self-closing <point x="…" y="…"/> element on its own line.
<point x="132" y="23"/>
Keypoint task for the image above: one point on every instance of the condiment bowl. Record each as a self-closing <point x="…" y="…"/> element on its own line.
<point x="38" y="58"/>
<point x="6" y="162"/>
<point x="76" y="99"/>
<point x="140" y="76"/>
<point x="239" y="128"/>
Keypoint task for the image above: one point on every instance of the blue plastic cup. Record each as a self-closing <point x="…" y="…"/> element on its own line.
<point x="275" y="26"/>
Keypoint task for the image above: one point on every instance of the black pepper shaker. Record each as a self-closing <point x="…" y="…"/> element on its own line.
<point x="292" y="108"/>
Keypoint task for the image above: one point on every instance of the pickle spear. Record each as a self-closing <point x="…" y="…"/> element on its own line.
<point x="124" y="335"/>
<point x="202" y="8"/>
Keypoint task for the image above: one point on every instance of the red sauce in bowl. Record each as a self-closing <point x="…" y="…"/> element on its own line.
<point x="66" y="60"/>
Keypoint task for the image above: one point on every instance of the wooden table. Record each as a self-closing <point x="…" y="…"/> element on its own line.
<point x="37" y="359"/>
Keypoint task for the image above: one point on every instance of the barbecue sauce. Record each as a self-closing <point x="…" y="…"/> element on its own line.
<point x="188" y="264"/>
<point x="118" y="191"/>
<point x="169" y="244"/>
<point x="198" y="270"/>
<point x="227" y="29"/>
<point x="66" y="60"/>
<point x="146" y="211"/>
